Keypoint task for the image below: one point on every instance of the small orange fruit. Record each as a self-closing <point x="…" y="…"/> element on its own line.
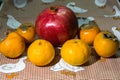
<point x="106" y="44"/>
<point x="88" y="32"/>
<point x="27" y="31"/>
<point x="12" y="46"/>
<point x="75" y="52"/>
<point x="41" y="52"/>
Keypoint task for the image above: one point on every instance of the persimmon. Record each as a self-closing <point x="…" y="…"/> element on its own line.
<point x="75" y="52"/>
<point x="12" y="46"/>
<point x="106" y="44"/>
<point x="27" y="31"/>
<point x="88" y="32"/>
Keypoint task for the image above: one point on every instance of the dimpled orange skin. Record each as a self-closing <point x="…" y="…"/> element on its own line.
<point x="105" y="47"/>
<point x="27" y="31"/>
<point x="13" y="45"/>
<point x="75" y="52"/>
<point x="88" y="35"/>
<point x="41" y="52"/>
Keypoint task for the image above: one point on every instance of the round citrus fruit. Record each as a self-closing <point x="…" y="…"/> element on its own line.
<point x="75" y="52"/>
<point x="27" y="31"/>
<point x="13" y="45"/>
<point x="88" y="32"/>
<point x="41" y="52"/>
<point x="106" y="44"/>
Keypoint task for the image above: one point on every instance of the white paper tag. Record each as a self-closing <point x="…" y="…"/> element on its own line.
<point x="75" y="9"/>
<point x="82" y="20"/>
<point x="12" y="22"/>
<point x="12" y="68"/>
<point x="47" y="1"/>
<point x="62" y="65"/>
<point x="116" y="32"/>
<point x="20" y="3"/>
<point x="117" y="12"/>
<point x="100" y="3"/>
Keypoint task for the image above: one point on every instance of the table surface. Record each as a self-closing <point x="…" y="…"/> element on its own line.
<point x="95" y="69"/>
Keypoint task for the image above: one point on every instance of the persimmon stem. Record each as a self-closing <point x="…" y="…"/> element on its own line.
<point x="24" y="27"/>
<point x="110" y="36"/>
<point x="107" y="36"/>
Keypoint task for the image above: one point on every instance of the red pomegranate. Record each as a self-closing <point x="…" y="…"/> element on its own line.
<point x="56" y="24"/>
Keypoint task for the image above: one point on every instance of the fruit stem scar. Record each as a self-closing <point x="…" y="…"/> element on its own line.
<point x="75" y="41"/>
<point x="53" y="8"/>
<point x="40" y="43"/>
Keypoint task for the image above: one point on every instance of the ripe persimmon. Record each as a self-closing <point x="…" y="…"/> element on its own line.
<point x="88" y="32"/>
<point x="106" y="44"/>
<point x="27" y="31"/>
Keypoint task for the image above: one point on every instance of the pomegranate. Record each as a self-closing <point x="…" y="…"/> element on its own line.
<point x="56" y="24"/>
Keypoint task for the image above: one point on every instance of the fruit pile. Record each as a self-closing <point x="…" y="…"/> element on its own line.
<point x="57" y="26"/>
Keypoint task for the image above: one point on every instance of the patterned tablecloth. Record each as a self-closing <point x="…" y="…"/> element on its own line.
<point x="95" y="69"/>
